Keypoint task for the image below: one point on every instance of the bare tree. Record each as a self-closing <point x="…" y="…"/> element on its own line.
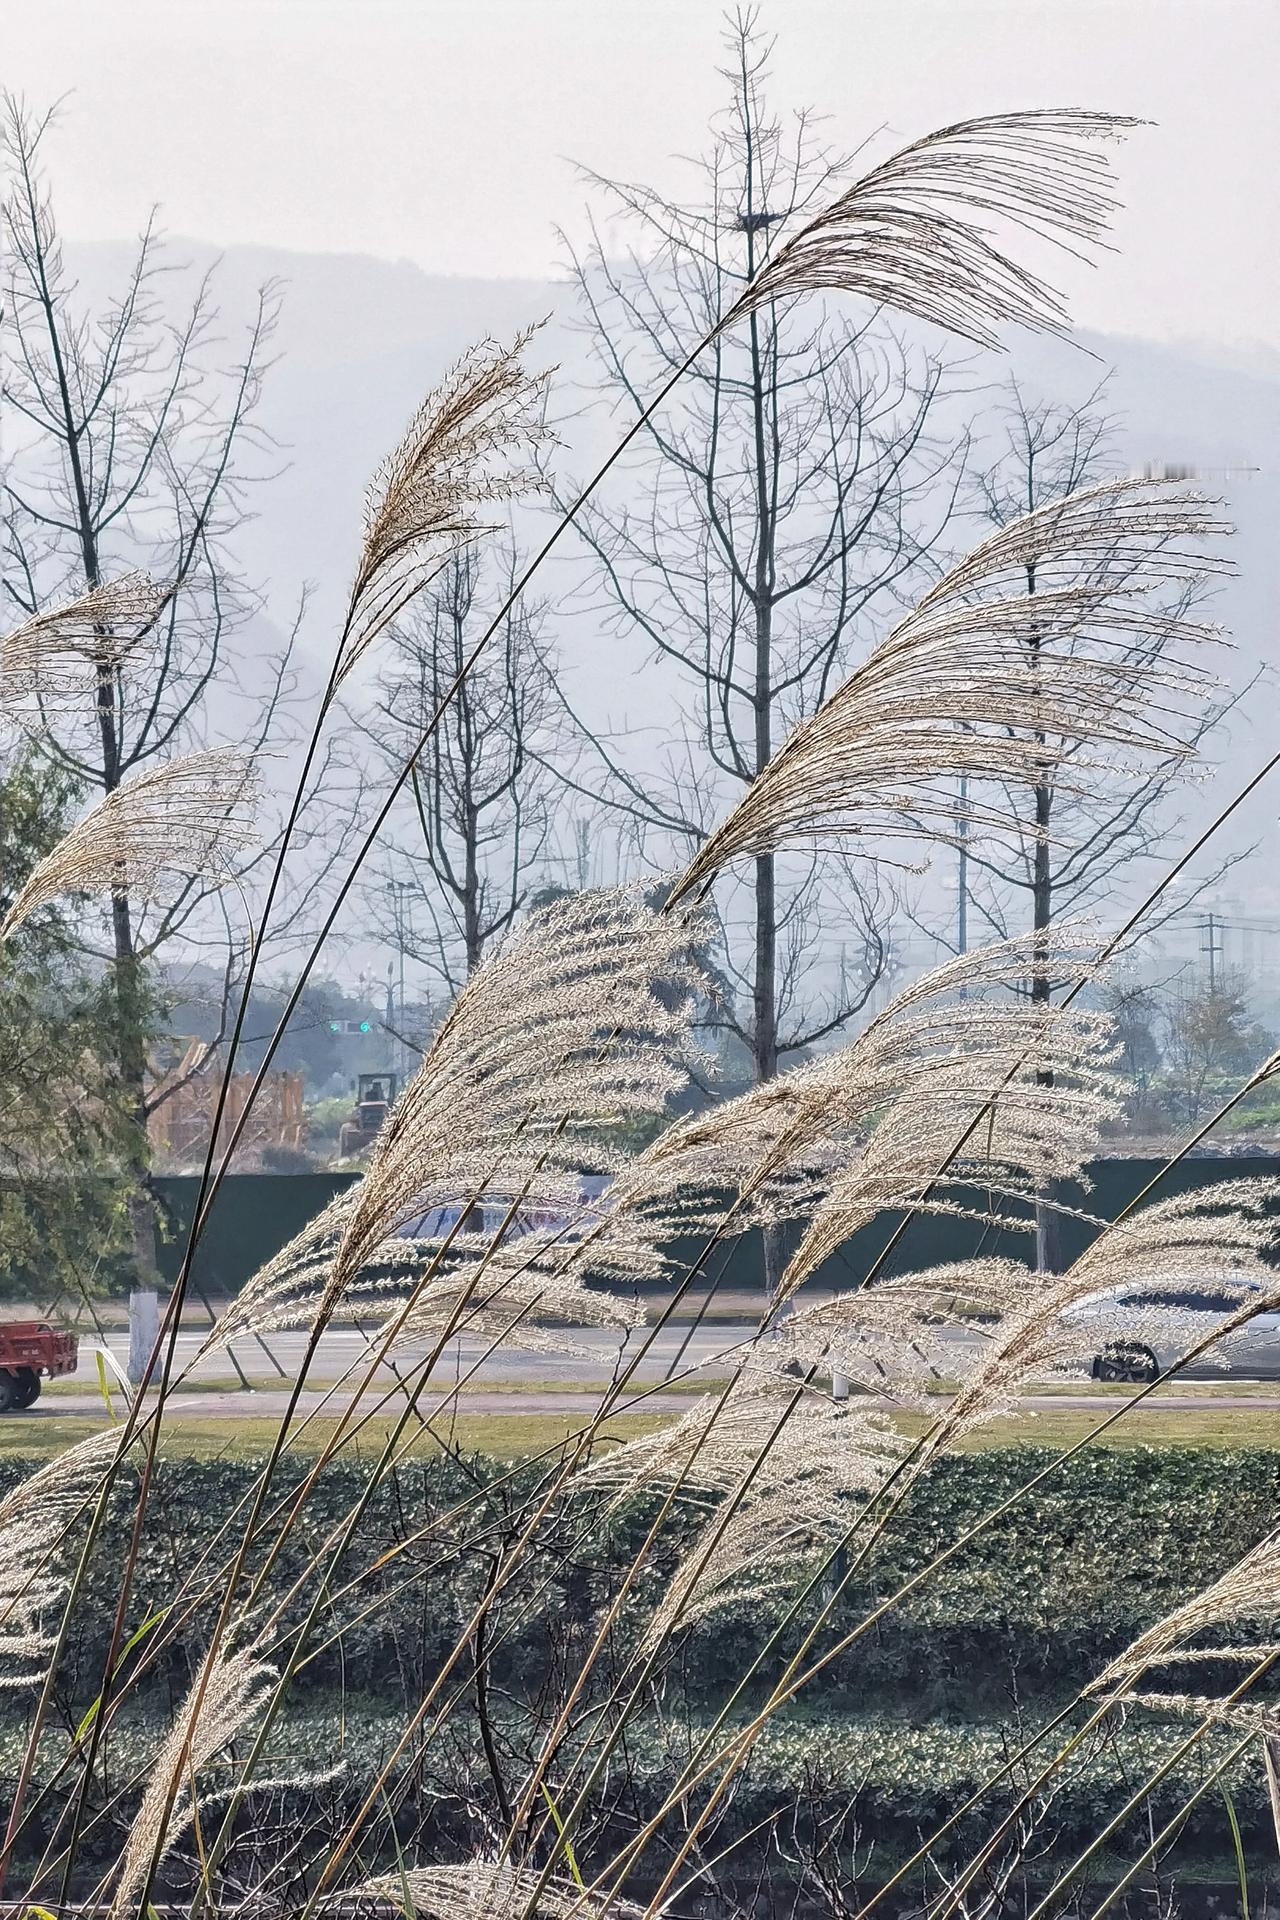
<point x="1069" y="839"/>
<point x="791" y="495"/>
<point x="478" y="815"/>
<point x="126" y="448"/>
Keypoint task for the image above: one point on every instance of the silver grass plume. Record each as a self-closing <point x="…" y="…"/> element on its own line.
<point x="483" y="1889"/>
<point x="62" y="651"/>
<point x="418" y="1287"/>
<point x="531" y="1291"/>
<point x="984" y="679"/>
<point x="793" y="1478"/>
<point x="577" y="1022"/>
<point x="175" y="822"/>
<point x="34" y="1516"/>
<point x="869" y="1124"/>
<point x="468" y="447"/>
<point x="914" y="233"/>
<point x="1249" y="1591"/>
<point x="1246" y="1715"/>
<point x="1027" y="1135"/>
<point x="1216" y="1235"/>
<point x="706" y="1452"/>
<point x="206" y="1723"/>
<point x="894" y="1338"/>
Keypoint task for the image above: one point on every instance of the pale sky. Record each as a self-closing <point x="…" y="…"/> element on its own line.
<point x="441" y="131"/>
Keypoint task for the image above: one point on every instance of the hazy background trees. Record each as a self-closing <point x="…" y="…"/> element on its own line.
<point x="474" y="829"/>
<point x="869" y="484"/>
<point x="64" y="1112"/>
<point x="130" y="434"/>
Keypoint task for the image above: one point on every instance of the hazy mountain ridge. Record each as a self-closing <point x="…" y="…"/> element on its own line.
<point x="361" y="340"/>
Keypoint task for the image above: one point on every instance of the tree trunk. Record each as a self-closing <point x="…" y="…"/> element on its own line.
<point x="764" y="1033"/>
<point x="131" y="1046"/>
<point x="764" y="1022"/>
<point x="471" y="896"/>
<point x="131" y="1042"/>
<point x="132" y="1061"/>
<point x="1048" y="1220"/>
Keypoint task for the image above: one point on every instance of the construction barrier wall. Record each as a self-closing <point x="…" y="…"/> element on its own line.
<point x="256" y="1213"/>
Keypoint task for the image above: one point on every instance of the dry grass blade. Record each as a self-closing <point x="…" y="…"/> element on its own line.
<point x="986" y="680"/>
<point x="34" y="1517"/>
<point x="176" y="822"/>
<point x="208" y="1721"/>
<point x="914" y="233"/>
<point x="468" y="447"/>
<point x="61" y="652"/>
<point x="488" y="1890"/>
<point x="576" y="1025"/>
<point x="1244" y="1714"/>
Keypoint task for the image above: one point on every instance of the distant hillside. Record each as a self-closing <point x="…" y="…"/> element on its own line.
<point x="361" y="340"/>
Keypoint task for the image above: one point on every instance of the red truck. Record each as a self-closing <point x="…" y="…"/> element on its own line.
<point x="29" y="1349"/>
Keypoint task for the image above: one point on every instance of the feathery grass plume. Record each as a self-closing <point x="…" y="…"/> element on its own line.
<point x="175" y="821"/>
<point x="896" y="1338"/>
<point x="985" y="680"/>
<point x="575" y="1025"/>
<point x="534" y="1276"/>
<point x="236" y="1686"/>
<point x="867" y="1125"/>
<point x="1029" y="1136"/>
<point x="914" y="232"/>
<point x="60" y="652"/>
<point x="34" y="1516"/>
<point x="1249" y="1591"/>
<point x="794" y="1483"/>
<point x="467" y="447"/>
<point x="1246" y="1715"/>
<point x="707" y="1451"/>
<point x="1215" y="1236"/>
<point x="488" y="1890"/>
<point x="539" y="1273"/>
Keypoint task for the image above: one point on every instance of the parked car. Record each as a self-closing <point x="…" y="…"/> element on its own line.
<point x="31" y="1350"/>
<point x="1148" y="1328"/>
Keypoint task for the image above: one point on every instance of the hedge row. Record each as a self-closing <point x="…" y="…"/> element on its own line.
<point x="911" y="1718"/>
<point x="1039" y="1601"/>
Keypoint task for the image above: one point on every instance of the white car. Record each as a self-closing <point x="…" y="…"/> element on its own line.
<point x="1143" y="1330"/>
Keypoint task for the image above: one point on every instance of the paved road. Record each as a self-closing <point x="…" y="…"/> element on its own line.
<point x="590" y="1355"/>
<point x="563" y="1377"/>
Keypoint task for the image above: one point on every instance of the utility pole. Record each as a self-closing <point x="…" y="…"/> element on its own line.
<point x="397" y="889"/>
<point x="1211" y="946"/>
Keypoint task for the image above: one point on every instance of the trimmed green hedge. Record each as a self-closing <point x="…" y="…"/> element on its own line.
<point x="1073" y="1572"/>
<point x="906" y="1723"/>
